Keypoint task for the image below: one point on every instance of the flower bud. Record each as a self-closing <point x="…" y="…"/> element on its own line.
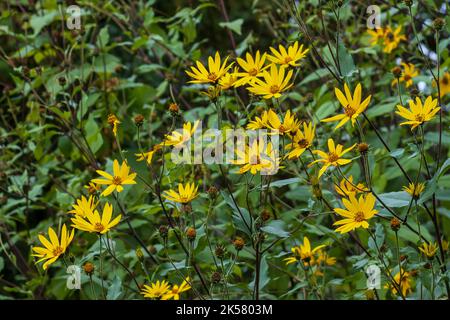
<point x="212" y="192"/>
<point x="395" y="224"/>
<point x="265" y="215"/>
<point x="238" y="243"/>
<point x="163" y="231"/>
<point x="88" y="268"/>
<point x="363" y="147"/>
<point x="438" y="24"/>
<point x="191" y="233"/>
<point x="397" y="72"/>
<point x="174" y="109"/>
<point x="139" y="120"/>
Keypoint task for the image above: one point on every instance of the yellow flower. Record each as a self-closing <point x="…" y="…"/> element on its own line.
<point x="215" y="70"/>
<point x="92" y="187"/>
<point x="259" y="123"/>
<point x="290" y="57"/>
<point x="120" y="177"/>
<point x="289" y="124"/>
<point x="52" y="249"/>
<point x="333" y="157"/>
<point x="414" y="190"/>
<point x="405" y="285"/>
<point x="148" y="156"/>
<point x="83" y="205"/>
<point x="323" y="257"/>
<point x="353" y="106"/>
<point x="174" y="293"/>
<point x="444" y="84"/>
<point x="392" y="38"/>
<point x="429" y="250"/>
<point x="376" y="36"/>
<point x="114" y="122"/>
<point x="185" y="193"/>
<point x="259" y="157"/>
<point x="304" y="253"/>
<point x="418" y="113"/>
<point x="409" y="73"/>
<point x="356" y="214"/>
<point x="274" y="83"/>
<point x="156" y="290"/>
<point x="229" y="80"/>
<point x="93" y="222"/>
<point x="252" y="68"/>
<point x="177" y="139"/>
<point x="301" y="141"/>
<point x="346" y="187"/>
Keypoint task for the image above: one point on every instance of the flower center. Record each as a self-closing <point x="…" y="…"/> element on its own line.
<point x="419" y="117"/>
<point x="274" y="89"/>
<point x="303" y="143"/>
<point x="253" y="72"/>
<point x="390" y="36"/>
<point x="332" y="157"/>
<point x="359" y="216"/>
<point x="287" y="59"/>
<point x="282" y="128"/>
<point x="212" y="76"/>
<point x="349" y="111"/>
<point x="445" y="80"/>
<point x="99" y="227"/>
<point x="117" y="180"/>
<point x="57" y="251"/>
<point x="407" y="77"/>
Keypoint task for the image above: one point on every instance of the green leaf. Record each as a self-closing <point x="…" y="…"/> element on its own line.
<point x="114" y="291"/>
<point x="396" y="199"/>
<point x="276" y="228"/>
<point x="39" y="22"/>
<point x="235" y="25"/>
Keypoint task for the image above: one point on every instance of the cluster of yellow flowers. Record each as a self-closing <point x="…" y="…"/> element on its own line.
<point x="388" y="37"/>
<point x="162" y="290"/>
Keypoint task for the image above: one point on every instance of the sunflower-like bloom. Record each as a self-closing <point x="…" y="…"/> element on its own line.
<point x="114" y="123"/>
<point x="408" y="74"/>
<point x="405" y="284"/>
<point x="252" y="68"/>
<point x="429" y="250"/>
<point x="148" y="156"/>
<point x="356" y="214"/>
<point x="156" y="290"/>
<point x="301" y="141"/>
<point x="346" y="187"/>
<point x="444" y="84"/>
<point x="93" y="187"/>
<point x="185" y="193"/>
<point x="376" y="35"/>
<point x="259" y="122"/>
<point x="391" y="38"/>
<point x="83" y="205"/>
<point x="304" y="253"/>
<point x="352" y="105"/>
<point x="177" y="139"/>
<point x="121" y="176"/>
<point x="52" y="249"/>
<point x="325" y="258"/>
<point x="290" y="123"/>
<point x="288" y="57"/>
<point x="333" y="157"/>
<point x="215" y="71"/>
<point x="415" y="190"/>
<point x="95" y="223"/>
<point x="174" y="293"/>
<point x="257" y="157"/>
<point x="275" y="82"/>
<point x="229" y="80"/>
<point x="418" y="113"/>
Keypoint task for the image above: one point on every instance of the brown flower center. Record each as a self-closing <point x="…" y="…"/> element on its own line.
<point x="407" y="77"/>
<point x="117" y="180"/>
<point x="445" y="80"/>
<point x="287" y="59"/>
<point x="390" y="36"/>
<point x="419" y="117"/>
<point x="253" y="72"/>
<point x="57" y="251"/>
<point x="99" y="227"/>
<point x="359" y="216"/>
<point x="212" y="76"/>
<point x="349" y="111"/>
<point x="282" y="128"/>
<point x="274" y="89"/>
<point x="333" y="157"/>
<point x="303" y="143"/>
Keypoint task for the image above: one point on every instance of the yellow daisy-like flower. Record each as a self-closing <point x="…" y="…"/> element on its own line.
<point x="174" y="293"/>
<point x="429" y="250"/>
<point x="121" y="176"/>
<point x="252" y="68"/>
<point x="392" y="38"/>
<point x="301" y="141"/>
<point x="215" y="70"/>
<point x="353" y="106"/>
<point x="408" y="74"/>
<point x="275" y="82"/>
<point x="444" y="84"/>
<point x="288" y="57"/>
<point x="185" y="193"/>
<point x="290" y="123"/>
<point x="346" y="187"/>
<point x="177" y="139"/>
<point x="83" y="205"/>
<point x="148" y="156"/>
<point x="156" y="290"/>
<point x="114" y="122"/>
<point x="54" y="247"/>
<point x="304" y="253"/>
<point x="323" y="257"/>
<point x="93" y="187"/>
<point x="376" y="36"/>
<point x="95" y="223"/>
<point x="405" y="285"/>
<point x="229" y="80"/>
<point x="333" y="157"/>
<point x="259" y="157"/>
<point x="418" y="113"/>
<point x="356" y="214"/>
<point x="259" y="122"/>
<point x="414" y="190"/>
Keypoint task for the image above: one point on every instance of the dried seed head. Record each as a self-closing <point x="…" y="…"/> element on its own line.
<point x="191" y="233"/>
<point x="186" y="208"/>
<point x="216" y="277"/>
<point x="212" y="192"/>
<point x="88" y="268"/>
<point x="163" y="231"/>
<point x="363" y="147"/>
<point x="438" y="24"/>
<point x="62" y="81"/>
<point x="174" y="109"/>
<point x="395" y="224"/>
<point x="238" y="243"/>
<point x="397" y="72"/>
<point x="220" y="251"/>
<point x="139" y="120"/>
<point x="265" y="215"/>
<point x="409" y="3"/>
